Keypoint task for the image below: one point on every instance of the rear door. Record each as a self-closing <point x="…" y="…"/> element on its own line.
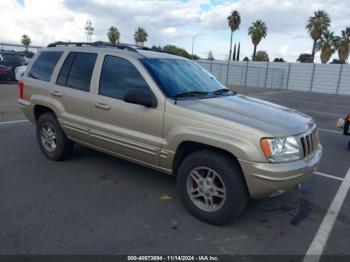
<point x="72" y="91"/>
<point x="130" y="130"/>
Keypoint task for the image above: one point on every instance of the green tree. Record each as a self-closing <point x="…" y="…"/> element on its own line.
<point x="279" y="60"/>
<point x="326" y="45"/>
<point x="113" y="35"/>
<point x="140" y="35"/>
<point x="25" y="40"/>
<point x="262" y="56"/>
<point x="342" y="45"/>
<point x="305" y="58"/>
<point x="234" y="21"/>
<point x="172" y="49"/>
<point x="316" y="26"/>
<point x="156" y="48"/>
<point x="179" y="51"/>
<point x="336" y="61"/>
<point x="257" y="31"/>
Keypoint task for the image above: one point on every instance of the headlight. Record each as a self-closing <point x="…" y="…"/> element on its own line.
<point x="280" y="149"/>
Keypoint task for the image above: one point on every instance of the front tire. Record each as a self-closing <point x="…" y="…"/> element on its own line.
<point x="53" y="142"/>
<point x="212" y="187"/>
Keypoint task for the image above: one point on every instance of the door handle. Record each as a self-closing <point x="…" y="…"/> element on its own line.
<point x="103" y="106"/>
<point x="56" y="93"/>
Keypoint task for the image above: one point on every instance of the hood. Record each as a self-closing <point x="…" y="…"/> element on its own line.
<point x="255" y="113"/>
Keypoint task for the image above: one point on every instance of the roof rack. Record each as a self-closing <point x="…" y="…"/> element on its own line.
<point x="60" y="43"/>
<point x="99" y="44"/>
<point x="123" y="46"/>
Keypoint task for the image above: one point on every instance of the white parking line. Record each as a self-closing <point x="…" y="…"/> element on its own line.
<point x="330" y="131"/>
<point x="317" y="246"/>
<point x="13" y="122"/>
<point x="329" y="176"/>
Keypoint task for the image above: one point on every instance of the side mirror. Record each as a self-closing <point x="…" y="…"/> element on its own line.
<point x="140" y="97"/>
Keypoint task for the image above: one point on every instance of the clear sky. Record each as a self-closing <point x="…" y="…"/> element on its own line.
<point x="172" y="22"/>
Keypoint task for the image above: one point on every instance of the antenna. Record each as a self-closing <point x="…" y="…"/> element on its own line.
<point x="89" y="30"/>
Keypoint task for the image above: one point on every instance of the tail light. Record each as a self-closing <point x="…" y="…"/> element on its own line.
<point x="20" y="88"/>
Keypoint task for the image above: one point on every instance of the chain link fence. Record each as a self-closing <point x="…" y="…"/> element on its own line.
<point x="13" y="60"/>
<point x="321" y="78"/>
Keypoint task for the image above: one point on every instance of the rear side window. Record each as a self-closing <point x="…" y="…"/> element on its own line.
<point x="117" y="76"/>
<point x="77" y="70"/>
<point x="44" y="65"/>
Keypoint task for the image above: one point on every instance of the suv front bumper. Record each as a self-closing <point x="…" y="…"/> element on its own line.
<point x="269" y="179"/>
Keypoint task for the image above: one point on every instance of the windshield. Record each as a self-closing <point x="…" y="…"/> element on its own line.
<point x="176" y="76"/>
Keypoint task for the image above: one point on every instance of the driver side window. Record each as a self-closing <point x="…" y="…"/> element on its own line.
<point x="118" y="76"/>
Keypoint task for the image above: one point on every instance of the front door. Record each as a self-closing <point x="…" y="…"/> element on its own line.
<point x="130" y="130"/>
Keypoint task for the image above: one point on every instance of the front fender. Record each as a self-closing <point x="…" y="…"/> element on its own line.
<point x="242" y="146"/>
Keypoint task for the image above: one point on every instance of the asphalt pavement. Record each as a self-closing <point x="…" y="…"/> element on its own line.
<point x="94" y="203"/>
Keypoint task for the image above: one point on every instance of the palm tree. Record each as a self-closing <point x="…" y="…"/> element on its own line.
<point x="316" y="25"/>
<point x="234" y="53"/>
<point x="238" y="51"/>
<point x="234" y="20"/>
<point x="343" y="45"/>
<point x="326" y="45"/>
<point x="26" y="41"/>
<point x="113" y="35"/>
<point x="140" y="35"/>
<point x="257" y="31"/>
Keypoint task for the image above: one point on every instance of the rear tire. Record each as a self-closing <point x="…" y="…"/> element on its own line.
<point x="212" y="187"/>
<point x="53" y="142"/>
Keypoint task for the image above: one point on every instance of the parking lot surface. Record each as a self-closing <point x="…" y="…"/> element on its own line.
<point x="94" y="203"/>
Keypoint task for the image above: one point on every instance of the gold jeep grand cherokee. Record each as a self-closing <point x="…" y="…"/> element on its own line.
<point x="166" y="112"/>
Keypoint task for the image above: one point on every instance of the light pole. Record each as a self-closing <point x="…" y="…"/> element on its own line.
<point x="193" y="37"/>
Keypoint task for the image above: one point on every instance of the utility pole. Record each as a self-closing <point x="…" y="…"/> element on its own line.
<point x="89" y="30"/>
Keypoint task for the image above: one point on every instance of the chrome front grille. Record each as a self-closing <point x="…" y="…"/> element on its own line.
<point x="309" y="143"/>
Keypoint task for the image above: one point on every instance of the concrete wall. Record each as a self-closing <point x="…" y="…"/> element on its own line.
<point x="321" y="78"/>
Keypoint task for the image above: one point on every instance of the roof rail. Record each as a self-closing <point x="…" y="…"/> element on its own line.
<point x="60" y="43"/>
<point x="99" y="44"/>
<point x="123" y="46"/>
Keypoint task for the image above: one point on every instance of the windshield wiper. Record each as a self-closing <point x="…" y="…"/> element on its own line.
<point x="223" y="91"/>
<point x="191" y="94"/>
